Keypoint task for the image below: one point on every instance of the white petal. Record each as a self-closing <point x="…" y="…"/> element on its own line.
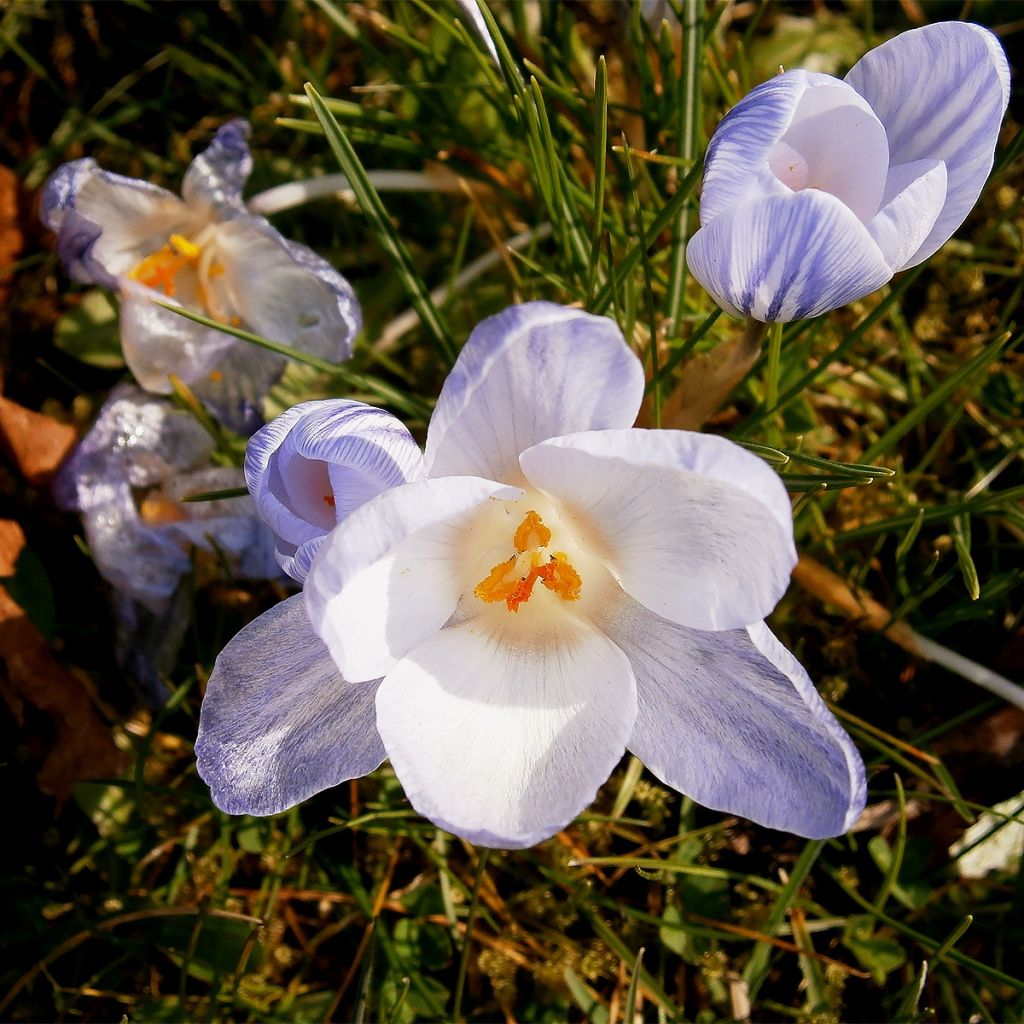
<point x="672" y="516"/>
<point x="504" y="743"/>
<point x="786" y="257"/>
<point x="732" y="720"/>
<point x="914" y="197"/>
<point x="284" y="291"/>
<point x="798" y="130"/>
<point x="106" y="223"/>
<point x="278" y="722"/>
<point x="392" y="573"/>
<point x="158" y="342"/>
<point x="532" y="372"/>
<point x="941" y="92"/>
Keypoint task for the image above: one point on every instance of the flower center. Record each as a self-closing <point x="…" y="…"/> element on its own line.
<point x="160" y="270"/>
<point x="513" y="580"/>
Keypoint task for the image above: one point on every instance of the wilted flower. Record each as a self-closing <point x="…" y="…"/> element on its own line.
<point x="128" y="477"/>
<point x="557" y="589"/>
<point x="816" y="191"/>
<point x="206" y="253"/>
<point x="317" y="463"/>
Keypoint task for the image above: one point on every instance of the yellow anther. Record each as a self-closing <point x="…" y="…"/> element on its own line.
<point x="513" y="580"/>
<point x="183" y="247"/>
<point x="531" y="533"/>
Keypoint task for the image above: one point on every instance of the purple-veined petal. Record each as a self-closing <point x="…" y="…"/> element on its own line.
<point x="798" y="130"/>
<point x="106" y="223"/>
<point x="319" y="461"/>
<point x="914" y="197"/>
<point x="693" y="527"/>
<point x="158" y="342"/>
<point x="732" y="720"/>
<point x="278" y="721"/>
<point x="392" y="573"/>
<point x="786" y="257"/>
<point x="531" y="372"/>
<point x="284" y="291"/>
<point x="216" y="177"/>
<point x="941" y="92"/>
<point x="504" y="742"/>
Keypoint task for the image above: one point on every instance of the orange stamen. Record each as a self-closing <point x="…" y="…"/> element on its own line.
<point x="506" y="582"/>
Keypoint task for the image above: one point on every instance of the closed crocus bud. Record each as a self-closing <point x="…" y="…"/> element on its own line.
<point x="316" y="464"/>
<point x="817" y="190"/>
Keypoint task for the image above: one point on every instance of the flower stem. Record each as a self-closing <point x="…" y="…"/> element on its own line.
<point x="771" y="383"/>
<point x="467" y="939"/>
<point x="295" y="193"/>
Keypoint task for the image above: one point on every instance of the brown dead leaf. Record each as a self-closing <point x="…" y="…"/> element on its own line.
<point x="11" y="238"/>
<point x="706" y="382"/>
<point x="82" y="745"/>
<point x="12" y="540"/>
<point x="37" y="443"/>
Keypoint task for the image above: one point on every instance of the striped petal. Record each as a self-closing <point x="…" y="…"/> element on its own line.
<point x="941" y="92"/>
<point x="278" y="721"/>
<point x="786" y="257"/>
<point x="732" y="720"/>
<point x="798" y="130"/>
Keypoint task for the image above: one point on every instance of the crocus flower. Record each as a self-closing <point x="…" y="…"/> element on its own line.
<point x="316" y="464"/>
<point x="555" y="589"/>
<point x="127" y="478"/>
<point x="816" y="191"/>
<point x="206" y="253"/>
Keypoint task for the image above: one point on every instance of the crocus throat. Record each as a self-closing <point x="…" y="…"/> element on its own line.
<point x="513" y="580"/>
<point x="159" y="270"/>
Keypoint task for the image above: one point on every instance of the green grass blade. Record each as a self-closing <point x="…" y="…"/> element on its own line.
<point x="370" y="203"/>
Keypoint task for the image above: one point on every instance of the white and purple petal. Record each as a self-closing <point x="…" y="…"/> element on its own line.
<point x="278" y="721"/>
<point x="941" y="92"/>
<point x="798" y="130"/>
<point x="732" y="720"/>
<point x="318" y="462"/>
<point x="216" y="177"/>
<point x="106" y="224"/>
<point x="533" y="371"/>
<point x="786" y="257"/>
<point x="503" y="742"/>
<point x="392" y="573"/>
<point x="694" y="527"/>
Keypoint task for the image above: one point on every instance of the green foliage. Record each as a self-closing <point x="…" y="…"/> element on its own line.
<point x="896" y="422"/>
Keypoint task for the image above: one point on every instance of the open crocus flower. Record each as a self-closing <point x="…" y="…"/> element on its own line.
<point x="816" y="191"/>
<point x="204" y="252"/>
<point x="556" y="589"/>
<point x="316" y="464"/>
<point x="128" y="477"/>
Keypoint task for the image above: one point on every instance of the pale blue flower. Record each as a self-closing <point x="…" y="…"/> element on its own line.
<point x="205" y="252"/>
<point x="816" y="190"/>
<point x="553" y="590"/>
